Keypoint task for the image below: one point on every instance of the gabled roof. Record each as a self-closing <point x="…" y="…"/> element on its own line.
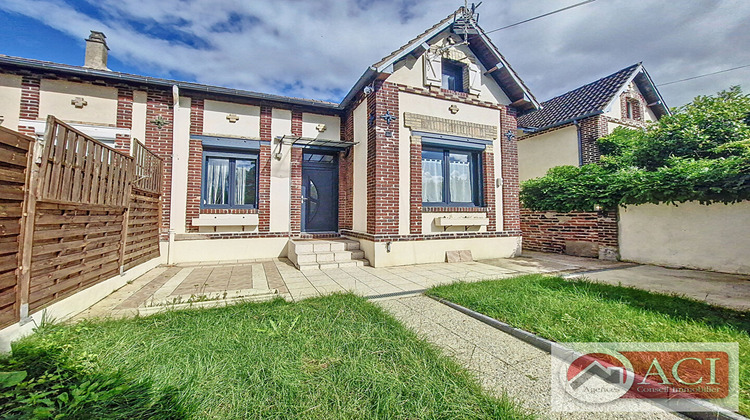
<point x="594" y="98"/>
<point x="482" y="46"/>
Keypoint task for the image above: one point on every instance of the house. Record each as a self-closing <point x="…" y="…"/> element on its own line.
<point x="419" y="159"/>
<point x="565" y="130"/>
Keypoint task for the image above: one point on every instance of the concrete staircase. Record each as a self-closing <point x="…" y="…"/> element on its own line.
<point x="320" y="254"/>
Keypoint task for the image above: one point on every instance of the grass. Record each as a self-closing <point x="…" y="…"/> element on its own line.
<point x="582" y="311"/>
<point x="335" y="357"/>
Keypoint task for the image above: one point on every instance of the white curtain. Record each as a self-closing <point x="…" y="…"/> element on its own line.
<point x="243" y="171"/>
<point x="217" y="181"/>
<point x="460" y="182"/>
<point x="432" y="180"/>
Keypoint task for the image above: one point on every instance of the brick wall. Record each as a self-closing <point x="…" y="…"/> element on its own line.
<point x="553" y="232"/>
<point x="382" y="161"/>
<point x="264" y="177"/>
<point x="159" y="140"/>
<point x="346" y="172"/>
<point x="124" y="117"/>
<point x="295" y="201"/>
<point x="592" y="128"/>
<point x="415" y="201"/>
<point x="509" y="168"/>
<point x="29" y="108"/>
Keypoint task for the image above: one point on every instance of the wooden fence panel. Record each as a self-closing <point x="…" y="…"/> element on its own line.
<point x="74" y="247"/>
<point x="148" y="169"/>
<point x="142" y="242"/>
<point x="14" y="161"/>
<point x="75" y="168"/>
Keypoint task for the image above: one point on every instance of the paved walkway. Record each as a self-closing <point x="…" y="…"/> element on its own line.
<point x="206" y="284"/>
<point x="501" y="362"/>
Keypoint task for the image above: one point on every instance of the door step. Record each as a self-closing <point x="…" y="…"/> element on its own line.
<point x="320" y="254"/>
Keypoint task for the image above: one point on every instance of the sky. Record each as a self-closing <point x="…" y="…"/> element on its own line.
<point x="317" y="49"/>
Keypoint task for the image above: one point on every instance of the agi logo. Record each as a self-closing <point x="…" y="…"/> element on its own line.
<point x="601" y="373"/>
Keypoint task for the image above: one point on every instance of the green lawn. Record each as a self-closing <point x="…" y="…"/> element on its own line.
<point x="335" y="357"/>
<point x="581" y="311"/>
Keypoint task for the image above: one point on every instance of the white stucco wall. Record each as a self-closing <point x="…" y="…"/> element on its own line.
<point x="55" y="99"/>
<point x="430" y="223"/>
<point x="714" y="237"/>
<point x="432" y="251"/>
<point x="311" y="121"/>
<point x="409" y="71"/>
<point x="359" y="187"/>
<point x="180" y="157"/>
<point x="215" y="120"/>
<point x="138" y="131"/>
<point x="281" y="124"/>
<point x="536" y="155"/>
<point x="228" y="249"/>
<point x="10" y="98"/>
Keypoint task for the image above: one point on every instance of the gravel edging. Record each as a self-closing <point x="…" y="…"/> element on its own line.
<point x="715" y="412"/>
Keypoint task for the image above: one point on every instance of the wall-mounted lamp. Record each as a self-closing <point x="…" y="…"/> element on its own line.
<point x="388" y="246"/>
<point x="277" y="153"/>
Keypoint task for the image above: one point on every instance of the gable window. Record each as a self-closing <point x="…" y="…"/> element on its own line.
<point x="632" y="109"/>
<point x="230" y="180"/>
<point x="453" y="76"/>
<point x="451" y="177"/>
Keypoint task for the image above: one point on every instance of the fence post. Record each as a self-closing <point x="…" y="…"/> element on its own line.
<point x="129" y="174"/>
<point x="26" y="238"/>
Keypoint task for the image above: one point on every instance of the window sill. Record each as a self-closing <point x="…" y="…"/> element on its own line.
<point x="448" y="221"/>
<point x="450" y="209"/>
<point x="226" y="220"/>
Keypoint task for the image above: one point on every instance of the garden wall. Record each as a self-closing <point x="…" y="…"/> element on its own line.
<point x="715" y="237"/>
<point x="586" y="234"/>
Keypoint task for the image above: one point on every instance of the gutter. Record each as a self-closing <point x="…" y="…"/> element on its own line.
<point x="568" y="121"/>
<point x="363" y="81"/>
<point x="580" y="142"/>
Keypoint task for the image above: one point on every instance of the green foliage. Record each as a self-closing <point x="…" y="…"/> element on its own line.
<point x="700" y="153"/>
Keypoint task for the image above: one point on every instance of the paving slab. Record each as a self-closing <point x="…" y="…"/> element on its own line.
<point x="728" y="290"/>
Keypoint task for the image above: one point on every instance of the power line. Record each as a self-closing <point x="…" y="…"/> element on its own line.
<point x="541" y="16"/>
<point x="703" y="75"/>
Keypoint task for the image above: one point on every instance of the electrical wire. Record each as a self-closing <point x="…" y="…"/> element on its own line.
<point x="703" y="75"/>
<point x="541" y="16"/>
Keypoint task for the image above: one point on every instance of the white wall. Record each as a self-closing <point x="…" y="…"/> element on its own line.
<point x="215" y="119"/>
<point x="10" y="98"/>
<point x="180" y="157"/>
<point x="55" y="99"/>
<point x="714" y="237"/>
<point x="281" y="170"/>
<point x="536" y="155"/>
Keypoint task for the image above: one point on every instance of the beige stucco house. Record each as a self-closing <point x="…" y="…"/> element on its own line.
<point x="419" y="159"/>
<point x="565" y="129"/>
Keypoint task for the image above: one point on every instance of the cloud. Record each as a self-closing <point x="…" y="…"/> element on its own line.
<point x="318" y="49"/>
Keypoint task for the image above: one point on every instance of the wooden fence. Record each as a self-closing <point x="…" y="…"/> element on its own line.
<point x="90" y="212"/>
<point x="14" y="160"/>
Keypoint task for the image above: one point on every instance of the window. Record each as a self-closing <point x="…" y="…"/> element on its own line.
<point x="230" y="180"/>
<point x="632" y="109"/>
<point x="453" y="76"/>
<point x="451" y="178"/>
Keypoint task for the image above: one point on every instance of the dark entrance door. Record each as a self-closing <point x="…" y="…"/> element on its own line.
<point x="320" y="192"/>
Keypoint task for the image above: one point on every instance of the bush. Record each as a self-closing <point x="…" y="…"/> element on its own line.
<point x="700" y="153"/>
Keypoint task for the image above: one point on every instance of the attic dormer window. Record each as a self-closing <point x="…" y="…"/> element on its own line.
<point x="453" y="76"/>
<point x="632" y="109"/>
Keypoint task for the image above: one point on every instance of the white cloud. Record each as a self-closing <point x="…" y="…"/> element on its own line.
<point x="317" y="49"/>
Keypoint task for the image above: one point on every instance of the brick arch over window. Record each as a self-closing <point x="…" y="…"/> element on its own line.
<point x="631" y="106"/>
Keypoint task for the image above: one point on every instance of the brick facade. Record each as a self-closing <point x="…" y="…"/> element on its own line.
<point x="346" y="173"/>
<point x="295" y="201"/>
<point x="415" y="185"/>
<point x="124" y="117"/>
<point x="29" y="108"/>
<point x="159" y="134"/>
<point x="592" y="129"/>
<point x="509" y="167"/>
<point x="264" y="175"/>
<point x="553" y="232"/>
<point x="382" y="161"/>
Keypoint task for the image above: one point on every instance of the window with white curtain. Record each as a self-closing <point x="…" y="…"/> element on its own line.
<point x="450" y="177"/>
<point x="230" y="180"/>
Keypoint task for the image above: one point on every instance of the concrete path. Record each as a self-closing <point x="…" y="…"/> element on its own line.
<point x="502" y="363"/>
<point x="729" y="290"/>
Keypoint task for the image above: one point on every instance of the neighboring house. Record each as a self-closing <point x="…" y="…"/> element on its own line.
<point x="417" y="160"/>
<point x="565" y="130"/>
